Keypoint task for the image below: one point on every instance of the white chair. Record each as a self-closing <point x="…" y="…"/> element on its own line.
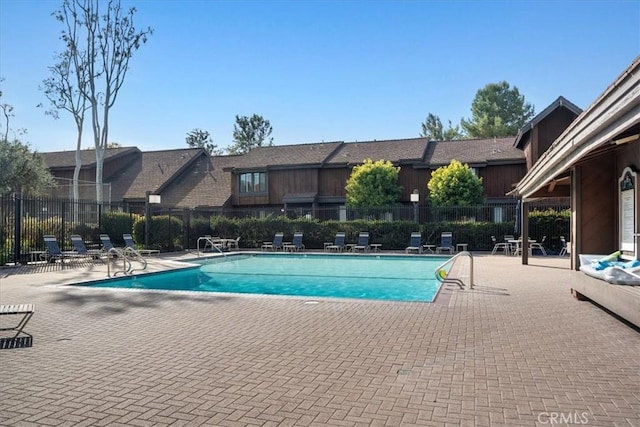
<point x="538" y="245"/>
<point x="502" y="246"/>
<point x="566" y="249"/>
<point x="233" y="243"/>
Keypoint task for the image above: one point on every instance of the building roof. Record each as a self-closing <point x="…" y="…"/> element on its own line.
<point x="151" y="171"/>
<point x="395" y="150"/>
<point x="67" y="159"/>
<point x="615" y="111"/>
<point x="561" y="102"/>
<point x="279" y="156"/>
<point x="205" y="184"/>
<point x="473" y="151"/>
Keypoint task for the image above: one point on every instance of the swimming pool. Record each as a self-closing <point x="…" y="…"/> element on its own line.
<point x="379" y="277"/>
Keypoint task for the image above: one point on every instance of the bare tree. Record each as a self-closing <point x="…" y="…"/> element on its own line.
<point x="64" y="90"/>
<point x="100" y="45"/>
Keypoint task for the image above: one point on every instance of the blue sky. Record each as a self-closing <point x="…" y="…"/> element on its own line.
<point x="322" y="70"/>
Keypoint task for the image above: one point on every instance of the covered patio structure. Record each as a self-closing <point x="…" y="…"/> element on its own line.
<point x="595" y="161"/>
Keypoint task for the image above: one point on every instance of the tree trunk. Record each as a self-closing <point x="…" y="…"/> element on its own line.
<point x="76" y="174"/>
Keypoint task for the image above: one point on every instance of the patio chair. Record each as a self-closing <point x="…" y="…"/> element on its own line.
<point x="275" y="244"/>
<point x="508" y="239"/>
<point x="446" y="243"/>
<point x="129" y="243"/>
<point x="565" y="247"/>
<point x="338" y="244"/>
<point x="233" y="243"/>
<point x="539" y="246"/>
<point x="81" y="248"/>
<point x="363" y="242"/>
<point x="415" y="243"/>
<point x="53" y="250"/>
<point x="499" y="246"/>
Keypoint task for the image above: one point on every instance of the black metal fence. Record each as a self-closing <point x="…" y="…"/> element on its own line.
<point x="24" y="221"/>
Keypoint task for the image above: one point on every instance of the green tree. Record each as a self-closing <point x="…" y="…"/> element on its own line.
<point x="432" y="128"/>
<point x="199" y="138"/>
<point x="497" y="111"/>
<point x="249" y="133"/>
<point x="22" y="170"/>
<point x="99" y="42"/>
<point x="373" y="184"/>
<point x="455" y="185"/>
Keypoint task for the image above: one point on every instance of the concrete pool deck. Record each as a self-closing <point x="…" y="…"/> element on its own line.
<point x="518" y="350"/>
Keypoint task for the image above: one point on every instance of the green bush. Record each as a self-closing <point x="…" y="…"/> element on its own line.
<point x="165" y="232"/>
<point x="116" y="223"/>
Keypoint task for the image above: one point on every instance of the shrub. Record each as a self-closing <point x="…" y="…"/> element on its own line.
<point x="116" y="223"/>
<point x="165" y="232"/>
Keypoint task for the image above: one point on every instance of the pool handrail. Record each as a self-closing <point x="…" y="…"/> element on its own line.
<point x="114" y="254"/>
<point x="451" y="260"/>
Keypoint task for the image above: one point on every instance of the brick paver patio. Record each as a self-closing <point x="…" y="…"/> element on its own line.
<point x="516" y="351"/>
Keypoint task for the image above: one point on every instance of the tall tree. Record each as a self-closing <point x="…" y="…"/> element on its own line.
<point x="249" y="133"/>
<point x="455" y="185"/>
<point x="432" y="128"/>
<point x="497" y="111"/>
<point x="373" y="185"/>
<point x="64" y="89"/>
<point x="100" y="43"/>
<point x="199" y="138"/>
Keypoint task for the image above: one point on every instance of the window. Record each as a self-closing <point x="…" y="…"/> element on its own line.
<point x="253" y="182"/>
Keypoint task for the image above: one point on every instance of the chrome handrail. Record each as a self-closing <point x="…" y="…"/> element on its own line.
<point x="114" y="254"/>
<point x="445" y="278"/>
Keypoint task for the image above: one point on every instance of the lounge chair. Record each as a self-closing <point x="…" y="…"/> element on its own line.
<point x="446" y="243"/>
<point x="415" y="244"/>
<point x="275" y="245"/>
<point x="363" y="242"/>
<point x="129" y="243"/>
<point x="53" y="250"/>
<point x="499" y="246"/>
<point x="82" y="250"/>
<point x="24" y="310"/>
<point x="338" y="244"/>
<point x="296" y="245"/>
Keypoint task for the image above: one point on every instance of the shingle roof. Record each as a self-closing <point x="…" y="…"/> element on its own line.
<point x="150" y="172"/>
<point x="560" y="102"/>
<point x="287" y="155"/>
<point x="473" y="151"/>
<point x="396" y="151"/>
<point x="67" y="159"/>
<point x="204" y="184"/>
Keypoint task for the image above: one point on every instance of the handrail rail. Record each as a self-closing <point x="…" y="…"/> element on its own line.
<point x="115" y="253"/>
<point x="137" y="256"/>
<point x="444" y="278"/>
<point x="127" y="255"/>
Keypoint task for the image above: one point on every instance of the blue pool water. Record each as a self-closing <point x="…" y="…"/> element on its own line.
<point x="399" y="278"/>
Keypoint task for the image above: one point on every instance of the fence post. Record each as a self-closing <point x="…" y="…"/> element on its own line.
<point x="63" y="240"/>
<point x="17" y="226"/>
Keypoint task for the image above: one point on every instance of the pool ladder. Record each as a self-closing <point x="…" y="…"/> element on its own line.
<point x="443" y="277"/>
<point x="127" y="255"/>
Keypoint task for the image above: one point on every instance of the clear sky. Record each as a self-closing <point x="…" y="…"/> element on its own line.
<point x="322" y="70"/>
